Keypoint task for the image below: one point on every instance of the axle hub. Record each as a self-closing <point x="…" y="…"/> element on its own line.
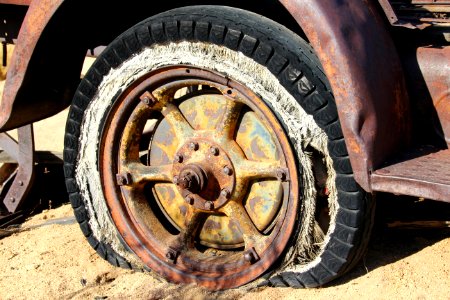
<point x="200" y="175"/>
<point x="192" y="178"/>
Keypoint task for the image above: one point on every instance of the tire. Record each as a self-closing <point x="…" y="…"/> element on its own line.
<point x="325" y="221"/>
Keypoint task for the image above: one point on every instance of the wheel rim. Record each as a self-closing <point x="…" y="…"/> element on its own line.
<point x="216" y="200"/>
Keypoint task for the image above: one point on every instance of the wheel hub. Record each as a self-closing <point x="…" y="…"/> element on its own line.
<point x="204" y="174"/>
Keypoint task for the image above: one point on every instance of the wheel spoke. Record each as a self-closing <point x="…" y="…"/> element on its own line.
<point x="141" y="173"/>
<point x="132" y="134"/>
<point x="177" y="121"/>
<point x="227" y="125"/>
<point x="192" y="222"/>
<point x="249" y="170"/>
<point x="237" y="213"/>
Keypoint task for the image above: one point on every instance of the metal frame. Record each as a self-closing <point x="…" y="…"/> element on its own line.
<point x="22" y="151"/>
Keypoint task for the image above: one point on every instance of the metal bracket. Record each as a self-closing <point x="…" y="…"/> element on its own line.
<point x="21" y="151"/>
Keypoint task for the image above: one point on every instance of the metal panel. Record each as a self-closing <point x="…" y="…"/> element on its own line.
<point x="365" y="75"/>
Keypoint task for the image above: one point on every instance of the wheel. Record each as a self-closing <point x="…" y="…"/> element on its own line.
<point x="204" y="145"/>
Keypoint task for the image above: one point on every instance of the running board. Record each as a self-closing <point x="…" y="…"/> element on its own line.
<point x="424" y="173"/>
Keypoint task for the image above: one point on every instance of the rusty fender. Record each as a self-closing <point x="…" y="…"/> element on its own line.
<point x="349" y="37"/>
<point x="362" y="65"/>
<point x="25" y="101"/>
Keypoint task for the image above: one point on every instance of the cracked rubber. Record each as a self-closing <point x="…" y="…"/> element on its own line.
<point x="294" y="63"/>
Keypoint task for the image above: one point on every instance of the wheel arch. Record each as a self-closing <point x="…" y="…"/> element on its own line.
<point x="55" y="29"/>
<point x="372" y="108"/>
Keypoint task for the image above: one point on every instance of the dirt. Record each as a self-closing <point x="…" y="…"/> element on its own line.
<point x="48" y="257"/>
<point x="49" y="261"/>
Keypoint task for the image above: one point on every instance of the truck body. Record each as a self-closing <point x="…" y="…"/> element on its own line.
<point x="387" y="63"/>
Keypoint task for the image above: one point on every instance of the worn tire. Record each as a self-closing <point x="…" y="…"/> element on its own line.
<point x="298" y="73"/>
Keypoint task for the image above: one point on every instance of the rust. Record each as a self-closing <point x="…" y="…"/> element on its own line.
<point x="12" y="114"/>
<point x="22" y="151"/>
<point x="417" y="14"/>
<point x="421" y="173"/>
<point x="372" y="102"/>
<point x="124" y="179"/>
<point x="434" y="64"/>
<point x="214" y="151"/>
<point x="251" y="256"/>
<point x="216" y="215"/>
<point x="16" y="2"/>
<point x="148" y="99"/>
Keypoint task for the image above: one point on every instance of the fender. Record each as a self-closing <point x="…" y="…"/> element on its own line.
<point x="365" y="73"/>
<point x="31" y="93"/>
<point x="350" y="38"/>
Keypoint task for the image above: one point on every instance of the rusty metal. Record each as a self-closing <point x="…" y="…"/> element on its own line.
<point x="16" y="2"/>
<point x="434" y="64"/>
<point x="372" y="101"/>
<point x="369" y="98"/>
<point x="22" y="151"/>
<point x="183" y="215"/>
<point x="421" y="173"/>
<point x="33" y="92"/>
<point x="424" y="173"/>
<point x="417" y="14"/>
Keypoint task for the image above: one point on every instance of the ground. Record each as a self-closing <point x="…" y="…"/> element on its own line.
<point x="47" y="261"/>
<point x="48" y="257"/>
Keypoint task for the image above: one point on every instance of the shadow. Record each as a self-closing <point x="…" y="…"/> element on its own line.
<point x="393" y="238"/>
<point x="47" y="192"/>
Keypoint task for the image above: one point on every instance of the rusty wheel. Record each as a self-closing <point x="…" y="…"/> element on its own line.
<point x="201" y="185"/>
<point x="207" y="148"/>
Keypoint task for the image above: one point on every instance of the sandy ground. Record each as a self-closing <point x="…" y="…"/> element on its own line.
<point x="54" y="261"/>
<point x="48" y="258"/>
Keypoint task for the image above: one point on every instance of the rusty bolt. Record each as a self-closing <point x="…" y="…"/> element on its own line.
<point x="179" y="158"/>
<point x="281" y="174"/>
<point x="214" y="151"/>
<point x="251" y="256"/>
<point x="193" y="146"/>
<point x="190" y="199"/>
<point x="209" y="205"/>
<point x="225" y="193"/>
<point x="172" y="255"/>
<point x="148" y="99"/>
<point x="227" y="171"/>
<point x="123" y="179"/>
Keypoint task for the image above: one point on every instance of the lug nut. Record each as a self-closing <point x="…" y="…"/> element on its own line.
<point x="190" y="200"/>
<point x="225" y="193"/>
<point x="209" y="205"/>
<point x="123" y="179"/>
<point x="281" y="174"/>
<point x="179" y="158"/>
<point x="193" y="146"/>
<point x="214" y="151"/>
<point x="172" y="255"/>
<point x="227" y="171"/>
<point x="148" y="99"/>
<point x="251" y="256"/>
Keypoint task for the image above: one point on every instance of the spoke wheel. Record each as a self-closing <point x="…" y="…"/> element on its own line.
<point x="199" y="177"/>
